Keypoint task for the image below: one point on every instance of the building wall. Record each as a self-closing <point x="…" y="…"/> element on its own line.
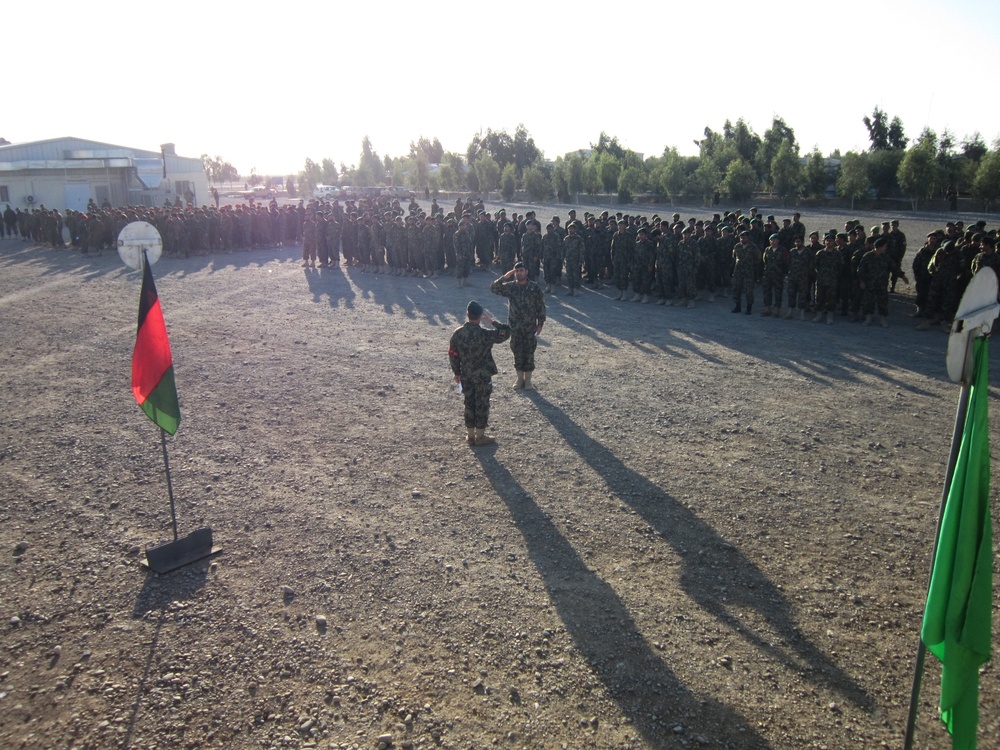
<point x="69" y="172"/>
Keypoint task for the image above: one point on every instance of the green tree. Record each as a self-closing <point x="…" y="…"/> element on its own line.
<point x="310" y="176"/>
<point x="883" y="166"/>
<point x="817" y="177"/>
<point x="536" y="184"/>
<point x="774" y="137"/>
<point x="786" y="171"/>
<point x="560" y="179"/>
<point x="853" y="182"/>
<point x="631" y="181"/>
<point x="920" y="173"/>
<point x="329" y="171"/>
<point x="670" y="175"/>
<point x="608" y="171"/>
<point x="885" y="135"/>
<point x="574" y="175"/>
<point x="487" y="172"/>
<point x="508" y="182"/>
<point x="986" y="185"/>
<point x="371" y="169"/>
<point x="704" y="181"/>
<point x="591" y="180"/>
<point x="740" y="181"/>
<point x="433" y="150"/>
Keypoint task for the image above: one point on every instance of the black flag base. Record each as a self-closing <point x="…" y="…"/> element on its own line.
<point x="176" y="554"/>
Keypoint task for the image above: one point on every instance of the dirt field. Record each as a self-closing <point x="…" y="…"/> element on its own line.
<point x="702" y="530"/>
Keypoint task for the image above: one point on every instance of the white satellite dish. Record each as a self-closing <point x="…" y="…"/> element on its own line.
<point x="136" y="237"/>
<point x="974" y="317"/>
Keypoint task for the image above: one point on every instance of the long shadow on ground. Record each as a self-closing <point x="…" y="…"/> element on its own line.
<point x="768" y="625"/>
<point x="603" y="631"/>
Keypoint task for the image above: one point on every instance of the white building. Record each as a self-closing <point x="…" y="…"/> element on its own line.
<point x="69" y="172"/>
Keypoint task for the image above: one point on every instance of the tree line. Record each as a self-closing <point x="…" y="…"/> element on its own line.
<point x="735" y="162"/>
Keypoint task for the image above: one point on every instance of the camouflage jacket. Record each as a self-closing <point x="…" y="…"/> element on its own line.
<point x="470" y="351"/>
<point x="527" y="303"/>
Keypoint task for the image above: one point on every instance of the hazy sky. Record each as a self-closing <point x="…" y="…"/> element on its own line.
<point x="267" y="85"/>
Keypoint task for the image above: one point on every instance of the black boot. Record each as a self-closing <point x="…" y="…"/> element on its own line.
<point x="749" y="307"/>
<point x="738" y="308"/>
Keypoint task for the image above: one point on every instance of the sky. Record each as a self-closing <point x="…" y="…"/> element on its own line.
<point x="267" y="86"/>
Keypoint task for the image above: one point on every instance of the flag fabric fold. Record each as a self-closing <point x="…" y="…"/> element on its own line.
<point x="152" y="364"/>
<point x="958" y="616"/>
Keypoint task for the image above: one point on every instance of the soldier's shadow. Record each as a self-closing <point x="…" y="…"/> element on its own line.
<point x="604" y="632"/>
<point x="704" y="553"/>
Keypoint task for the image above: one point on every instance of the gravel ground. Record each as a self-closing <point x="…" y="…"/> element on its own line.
<point x="702" y="530"/>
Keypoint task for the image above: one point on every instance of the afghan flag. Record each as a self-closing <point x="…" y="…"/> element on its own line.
<point x="957" y="618"/>
<point x="152" y="365"/>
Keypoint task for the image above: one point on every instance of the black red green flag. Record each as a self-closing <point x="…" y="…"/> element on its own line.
<point x="152" y="365"/>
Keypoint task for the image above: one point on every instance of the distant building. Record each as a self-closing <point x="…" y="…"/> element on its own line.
<point x="70" y="172"/>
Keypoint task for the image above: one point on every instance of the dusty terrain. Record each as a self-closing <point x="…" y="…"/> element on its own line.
<point x="703" y="529"/>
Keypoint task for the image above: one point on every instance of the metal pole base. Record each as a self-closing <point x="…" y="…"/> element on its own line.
<point x="176" y="554"/>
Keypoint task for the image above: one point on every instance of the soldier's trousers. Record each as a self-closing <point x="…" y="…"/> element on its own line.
<point x="772" y="291"/>
<point x="523" y="343"/>
<point x="477" y="402"/>
<point x="798" y="293"/>
<point x="826" y="297"/>
<point x="872" y="297"/>
<point x="743" y="287"/>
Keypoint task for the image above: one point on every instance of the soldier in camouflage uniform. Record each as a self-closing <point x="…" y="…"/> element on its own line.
<point x="800" y="267"/>
<point x="470" y="354"/>
<point x="746" y="258"/>
<point x="508" y="248"/>
<point x="531" y="248"/>
<point x="827" y="263"/>
<point x="526" y="316"/>
<point x="665" y="249"/>
<point x="574" y="249"/>
<point x="921" y="274"/>
<point x="643" y="265"/>
<point x="773" y="279"/>
<point x="622" y="249"/>
<point x="874" y="271"/>
<point x="552" y="258"/>
<point x="687" y="267"/>
<point x="987" y="257"/>
<point x="464" y="241"/>
<point x="949" y="277"/>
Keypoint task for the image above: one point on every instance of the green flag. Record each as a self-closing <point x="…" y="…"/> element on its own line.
<point x="958" y="616"/>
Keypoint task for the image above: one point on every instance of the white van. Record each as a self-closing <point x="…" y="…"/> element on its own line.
<point x="328" y="192"/>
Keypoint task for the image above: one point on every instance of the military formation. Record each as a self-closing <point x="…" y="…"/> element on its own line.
<point x="666" y="261"/>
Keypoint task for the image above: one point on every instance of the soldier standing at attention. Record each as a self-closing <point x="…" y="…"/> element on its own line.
<point x="470" y="353"/>
<point x="526" y="317"/>
<point x="622" y="248"/>
<point x="746" y="258"/>
<point x="800" y="261"/>
<point x="574" y="249"/>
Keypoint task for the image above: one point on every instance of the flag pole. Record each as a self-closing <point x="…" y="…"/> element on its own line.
<point x="170" y="486"/>
<point x="918" y="668"/>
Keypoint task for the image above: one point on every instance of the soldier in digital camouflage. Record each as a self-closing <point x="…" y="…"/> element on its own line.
<point x="470" y="354"/>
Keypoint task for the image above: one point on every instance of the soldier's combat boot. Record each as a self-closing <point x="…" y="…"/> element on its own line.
<point x="788" y="315"/>
<point x="527" y="380"/>
<point x="882" y="321"/>
<point x="819" y="317"/>
<point x="482" y="438"/>
<point x="519" y="384"/>
<point x="749" y="307"/>
<point x="661" y="301"/>
<point x="802" y="314"/>
<point x="766" y="311"/>
<point x="645" y="299"/>
<point x="738" y="307"/>
<point x="868" y="320"/>
<point x="829" y="318"/>
<point x="690" y="304"/>
<point x="636" y="297"/>
<point x="471" y="439"/>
